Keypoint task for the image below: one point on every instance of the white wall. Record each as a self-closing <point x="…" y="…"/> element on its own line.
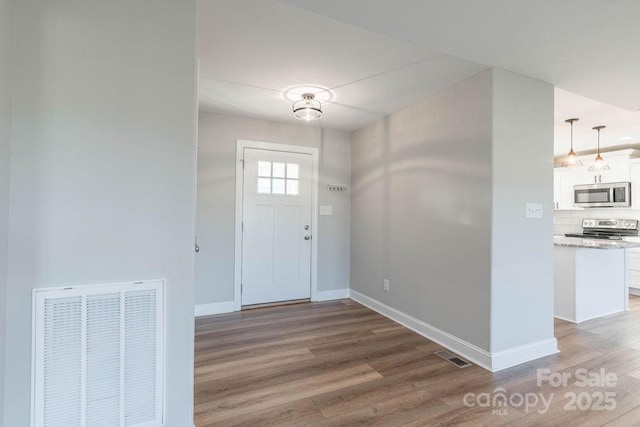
<point x="521" y="248"/>
<point x="103" y="168"/>
<point x="217" y="135"/>
<point x="6" y="67"/>
<point x="438" y="202"/>
<point x="421" y="210"/>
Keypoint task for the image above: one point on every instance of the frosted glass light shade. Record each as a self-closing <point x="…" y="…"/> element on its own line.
<point x="307" y="108"/>
<point x="599" y="165"/>
<point x="571" y="160"/>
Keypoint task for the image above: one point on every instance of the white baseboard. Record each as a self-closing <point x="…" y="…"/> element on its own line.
<point x="331" y="295"/>
<point x="230" y="306"/>
<point x="580" y="320"/>
<point x="523" y="353"/>
<point x="490" y="361"/>
<point x="565" y="319"/>
<point x="469" y="351"/>
<point x="214" y="308"/>
<point x="634" y="291"/>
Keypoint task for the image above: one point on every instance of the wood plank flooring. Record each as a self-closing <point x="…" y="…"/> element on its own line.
<point x="338" y="363"/>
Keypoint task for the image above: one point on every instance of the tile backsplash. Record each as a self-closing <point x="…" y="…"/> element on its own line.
<point x="571" y="221"/>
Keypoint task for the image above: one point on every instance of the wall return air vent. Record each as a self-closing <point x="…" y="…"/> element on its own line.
<point x="98" y="355"/>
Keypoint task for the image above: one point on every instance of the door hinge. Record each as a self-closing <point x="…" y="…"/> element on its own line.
<point x="242" y="161"/>
<point x="240" y="287"/>
<point x="242" y="226"/>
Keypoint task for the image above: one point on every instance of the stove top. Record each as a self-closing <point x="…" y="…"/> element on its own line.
<point x="607" y="229"/>
<point x="594" y="236"/>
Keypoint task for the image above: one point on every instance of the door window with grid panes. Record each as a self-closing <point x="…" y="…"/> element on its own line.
<point x="278" y="178"/>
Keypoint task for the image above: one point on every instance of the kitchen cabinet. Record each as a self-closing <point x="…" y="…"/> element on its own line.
<point x="633" y="270"/>
<point x="563" y="181"/>
<point x="634" y="177"/>
<point x="557" y="187"/>
<point x="619" y="170"/>
<point x="588" y="282"/>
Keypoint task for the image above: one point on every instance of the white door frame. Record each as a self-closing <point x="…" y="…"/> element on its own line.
<point x="241" y="144"/>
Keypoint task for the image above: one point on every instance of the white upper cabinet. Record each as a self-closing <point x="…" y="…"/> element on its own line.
<point x="619" y="169"/>
<point x="583" y="176"/>
<point x="563" y="181"/>
<point x="634" y="177"/>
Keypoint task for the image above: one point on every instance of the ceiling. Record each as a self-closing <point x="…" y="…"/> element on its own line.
<point x="622" y="126"/>
<point x="253" y="50"/>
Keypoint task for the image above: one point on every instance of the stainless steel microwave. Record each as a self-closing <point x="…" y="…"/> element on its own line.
<point x="603" y="195"/>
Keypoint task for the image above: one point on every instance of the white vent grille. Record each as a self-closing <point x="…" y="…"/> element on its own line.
<point x="62" y="360"/>
<point x="98" y="355"/>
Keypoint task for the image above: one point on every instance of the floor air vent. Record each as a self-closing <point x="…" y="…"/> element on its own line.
<point x="453" y="358"/>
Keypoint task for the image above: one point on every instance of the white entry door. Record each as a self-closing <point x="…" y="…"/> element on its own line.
<point x="276" y="229"/>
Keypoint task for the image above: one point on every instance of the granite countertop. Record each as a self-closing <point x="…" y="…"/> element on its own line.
<point x="578" y="242"/>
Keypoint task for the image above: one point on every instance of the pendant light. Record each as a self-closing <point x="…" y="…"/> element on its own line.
<point x="308" y="108"/>
<point x="572" y="159"/>
<point x="598" y="164"/>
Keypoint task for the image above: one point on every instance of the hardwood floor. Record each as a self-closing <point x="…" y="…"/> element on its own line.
<point x="340" y="364"/>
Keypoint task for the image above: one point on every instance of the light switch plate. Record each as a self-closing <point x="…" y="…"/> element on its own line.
<point x="326" y="210"/>
<point x="534" y="210"/>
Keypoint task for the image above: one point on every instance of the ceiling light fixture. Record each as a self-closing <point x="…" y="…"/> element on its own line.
<point x="598" y="164"/>
<point x="320" y="93"/>
<point x="308" y="108"/>
<point x="572" y="159"/>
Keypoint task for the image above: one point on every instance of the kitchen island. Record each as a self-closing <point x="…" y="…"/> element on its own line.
<point x="590" y="278"/>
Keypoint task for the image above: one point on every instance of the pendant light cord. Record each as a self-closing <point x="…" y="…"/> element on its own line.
<point x="598" y="128"/>
<point x="571" y="135"/>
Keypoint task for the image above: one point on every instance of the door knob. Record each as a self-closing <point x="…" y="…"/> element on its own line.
<point x="307" y="237"/>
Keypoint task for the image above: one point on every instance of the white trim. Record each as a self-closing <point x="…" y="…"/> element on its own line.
<point x="611" y="313"/>
<point x="332" y="294"/>
<point x="313" y="151"/>
<point x="634" y="291"/>
<point x="490" y="361"/>
<point x="469" y="351"/>
<point x="580" y="320"/>
<point x="214" y="308"/>
<point x="523" y="353"/>
<point x="565" y="319"/>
